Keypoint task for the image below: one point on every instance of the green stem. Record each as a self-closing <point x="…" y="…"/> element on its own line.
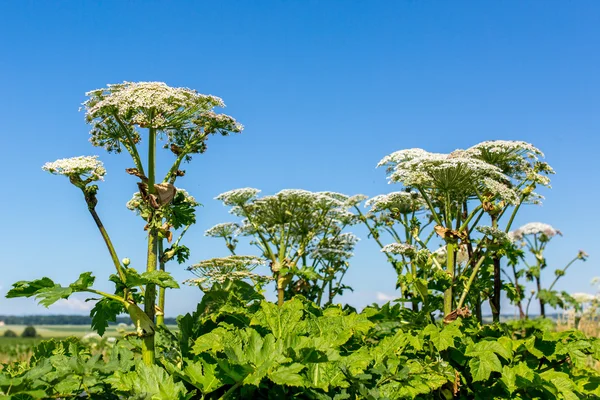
<point x="148" y="352"/>
<point x="107" y="295"/>
<point x="513" y="215"/>
<point x="470" y="282"/>
<point x="564" y="270"/>
<point x="131" y="147"/>
<point x="160" y="317"/>
<point x="431" y="208"/>
<point x="448" y="297"/>
<point x="108" y="242"/>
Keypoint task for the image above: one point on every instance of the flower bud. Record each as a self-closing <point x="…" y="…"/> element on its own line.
<point x="126" y="262"/>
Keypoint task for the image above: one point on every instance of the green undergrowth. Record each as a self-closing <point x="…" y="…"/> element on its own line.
<point x="239" y="346"/>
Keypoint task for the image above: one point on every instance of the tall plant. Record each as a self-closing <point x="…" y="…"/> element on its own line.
<point x="121" y="115"/>
<point x="454" y="191"/>
<point x="300" y="235"/>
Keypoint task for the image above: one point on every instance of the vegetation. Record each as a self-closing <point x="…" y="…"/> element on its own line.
<point x="29" y="332"/>
<point x="446" y="233"/>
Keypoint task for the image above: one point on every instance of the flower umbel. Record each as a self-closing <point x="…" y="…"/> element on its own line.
<point x="86" y="168"/>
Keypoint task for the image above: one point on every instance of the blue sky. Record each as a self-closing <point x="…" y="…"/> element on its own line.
<point x="325" y="90"/>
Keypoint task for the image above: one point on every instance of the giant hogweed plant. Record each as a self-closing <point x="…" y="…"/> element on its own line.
<point x="453" y="192"/>
<point x="300" y="236"/>
<point x="122" y="116"/>
<point x="533" y="238"/>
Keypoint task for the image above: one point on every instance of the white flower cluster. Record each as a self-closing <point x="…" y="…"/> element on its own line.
<point x="535" y="228"/>
<point x="230" y="263"/>
<point x="238" y="197"/>
<point x="517" y="159"/>
<point x="83" y="167"/>
<point x="338" y="247"/>
<point x="403" y="249"/>
<point x="500" y="191"/>
<point x="495" y="234"/>
<point x="583" y="298"/>
<point x="148" y="104"/>
<point x="402" y="202"/>
<point x="454" y="172"/>
<point x="226" y="229"/>
<point x="218" y="270"/>
<point x="506" y="148"/>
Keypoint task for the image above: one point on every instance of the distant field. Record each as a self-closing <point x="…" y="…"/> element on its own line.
<point x="20" y="349"/>
<point x="58" y="331"/>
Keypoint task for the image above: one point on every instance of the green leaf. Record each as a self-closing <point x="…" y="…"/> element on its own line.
<point x="50" y="295"/>
<point x="84" y="281"/>
<point x="444" y="338"/>
<point x="202" y="375"/>
<point x="29" y="288"/>
<point x="281" y="321"/>
<point x="104" y="311"/>
<point x="160" y="278"/>
<point x="288" y="375"/>
<point x="152" y="382"/>
<point x="485" y="358"/>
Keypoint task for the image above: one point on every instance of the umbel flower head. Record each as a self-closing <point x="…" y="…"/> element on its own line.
<point x="544" y="231"/>
<point x="80" y="170"/>
<point x="401" y="202"/>
<point x="184" y="115"/>
<point x="218" y="270"/>
<point x="456" y="174"/>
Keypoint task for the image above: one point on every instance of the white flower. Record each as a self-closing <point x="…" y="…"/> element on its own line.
<point x="238" y="197"/>
<point x="535" y="228"/>
<point x="147" y="104"/>
<point x="83" y="167"/>
<point x="501" y="191"/>
<point x="402" y="202"/>
<point x="496" y="234"/>
<point x="226" y="229"/>
<point x="582" y="298"/>
<point x="403" y="249"/>
<point x="454" y="173"/>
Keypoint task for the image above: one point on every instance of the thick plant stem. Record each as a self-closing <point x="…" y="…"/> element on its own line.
<point x="448" y="296"/>
<point x="280" y="290"/>
<point x="150" y="294"/>
<point x="497" y="279"/>
<point x="160" y="316"/>
<point x="542" y="303"/>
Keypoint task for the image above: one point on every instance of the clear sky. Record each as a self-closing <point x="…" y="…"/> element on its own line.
<point x="325" y="90"/>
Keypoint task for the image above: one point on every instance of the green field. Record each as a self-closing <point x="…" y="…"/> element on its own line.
<point x="19" y="348"/>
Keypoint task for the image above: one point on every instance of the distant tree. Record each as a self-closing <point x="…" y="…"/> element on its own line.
<point x="29" y="332"/>
<point x="9" y="333"/>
